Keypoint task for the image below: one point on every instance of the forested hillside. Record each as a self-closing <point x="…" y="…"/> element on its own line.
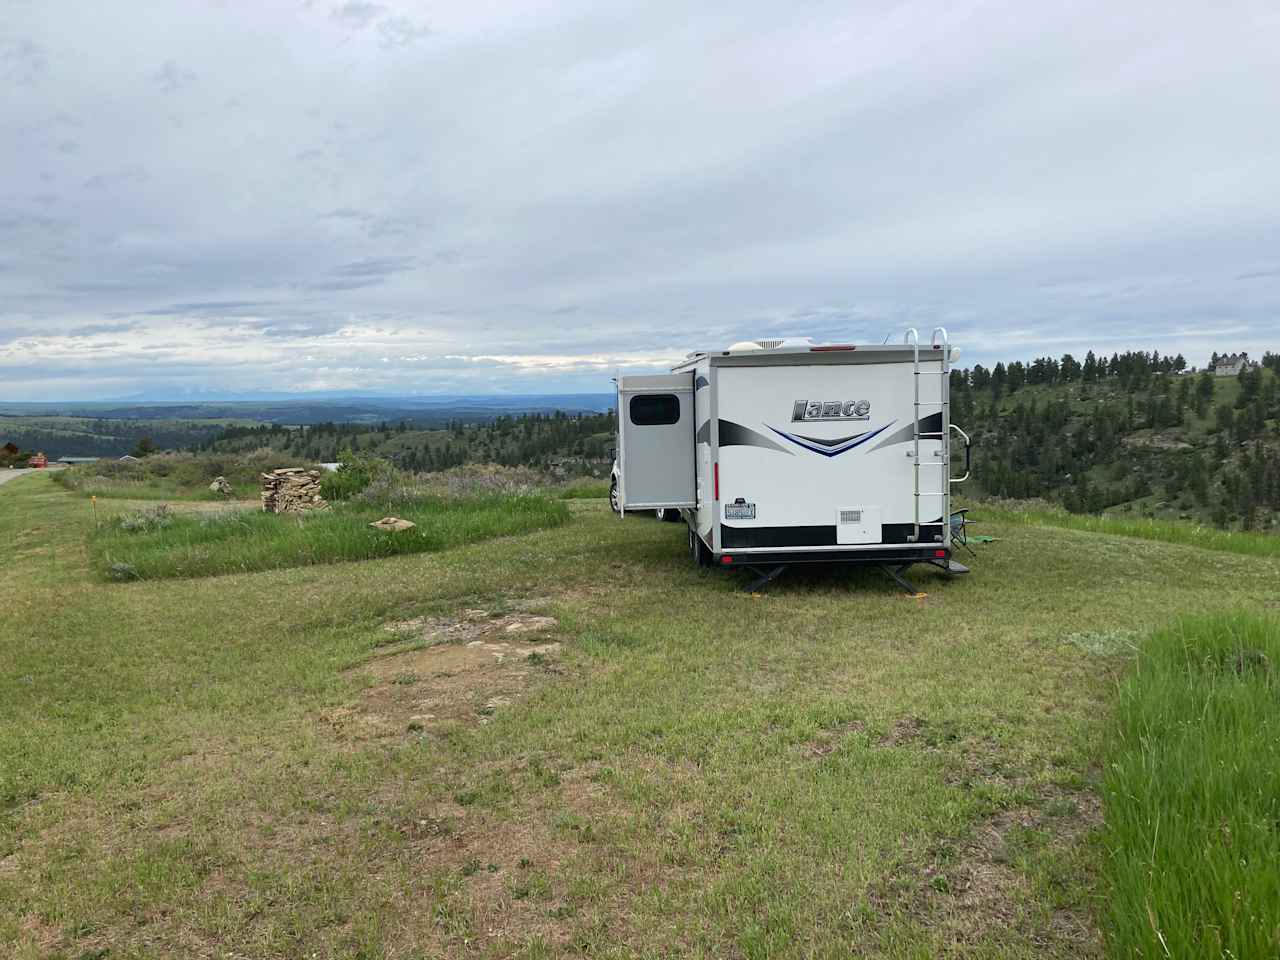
<point x="1135" y="433"/>
<point x="576" y="444"/>
<point x="61" y="436"/>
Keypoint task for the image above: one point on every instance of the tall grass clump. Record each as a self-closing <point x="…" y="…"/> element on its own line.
<point x="394" y="487"/>
<point x="1192" y="793"/>
<point x="1165" y="531"/>
<point x="191" y="545"/>
<point x="170" y="476"/>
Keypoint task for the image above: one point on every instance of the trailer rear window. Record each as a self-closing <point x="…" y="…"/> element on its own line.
<point x="655" y="409"/>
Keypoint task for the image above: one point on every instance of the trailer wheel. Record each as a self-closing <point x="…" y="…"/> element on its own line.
<point x="668" y="514"/>
<point x="613" y="495"/>
<point x="698" y="550"/>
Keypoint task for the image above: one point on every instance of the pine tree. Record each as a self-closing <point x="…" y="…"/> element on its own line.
<point x="1089" y="372"/>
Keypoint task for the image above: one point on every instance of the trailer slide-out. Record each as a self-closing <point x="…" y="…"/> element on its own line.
<point x="781" y="452"/>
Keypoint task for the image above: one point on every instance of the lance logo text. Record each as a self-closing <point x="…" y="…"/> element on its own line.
<point x="830" y="410"/>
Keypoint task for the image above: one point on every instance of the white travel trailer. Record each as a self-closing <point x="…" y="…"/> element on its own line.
<point x="784" y="451"/>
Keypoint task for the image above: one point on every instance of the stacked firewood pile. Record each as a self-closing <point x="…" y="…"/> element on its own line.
<point x="292" y="490"/>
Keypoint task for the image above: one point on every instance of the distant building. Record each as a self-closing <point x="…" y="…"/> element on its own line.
<point x="1232" y="365"/>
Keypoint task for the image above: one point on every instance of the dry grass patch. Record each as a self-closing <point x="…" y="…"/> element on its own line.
<point x="829" y="741"/>
<point x="1019" y="872"/>
<point x="903" y="730"/>
<point x="547" y="871"/>
<point x="980" y="886"/>
<point x="507" y="882"/>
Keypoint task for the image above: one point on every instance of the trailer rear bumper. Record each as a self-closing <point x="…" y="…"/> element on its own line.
<point x="895" y="554"/>
<point x="825" y="537"/>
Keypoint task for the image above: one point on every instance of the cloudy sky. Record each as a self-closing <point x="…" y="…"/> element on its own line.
<point x="385" y="195"/>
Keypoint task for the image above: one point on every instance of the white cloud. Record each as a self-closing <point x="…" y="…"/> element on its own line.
<point x="528" y="195"/>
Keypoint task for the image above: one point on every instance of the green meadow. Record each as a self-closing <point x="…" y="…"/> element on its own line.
<point x="551" y="735"/>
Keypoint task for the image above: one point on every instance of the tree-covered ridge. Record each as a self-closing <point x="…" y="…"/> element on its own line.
<point x="1137" y="430"/>
<point x="61" y="436"/>
<point x="579" y="443"/>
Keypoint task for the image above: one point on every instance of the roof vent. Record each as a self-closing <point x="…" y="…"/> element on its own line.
<point x="769" y="344"/>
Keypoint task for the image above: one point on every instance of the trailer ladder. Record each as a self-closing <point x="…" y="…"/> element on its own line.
<point x="943" y="435"/>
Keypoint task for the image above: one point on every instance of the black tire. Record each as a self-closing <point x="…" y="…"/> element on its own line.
<point x="613" y="495"/>
<point x="669" y="514"/>
<point x="698" y="551"/>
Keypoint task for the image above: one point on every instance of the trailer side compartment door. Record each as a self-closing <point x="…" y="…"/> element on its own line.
<point x="656" y="441"/>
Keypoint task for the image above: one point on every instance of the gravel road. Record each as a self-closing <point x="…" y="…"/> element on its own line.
<point x="7" y="475"/>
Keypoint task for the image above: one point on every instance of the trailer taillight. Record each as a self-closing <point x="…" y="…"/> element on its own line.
<point x="939" y="553"/>
<point x="726" y="560"/>
<point x="715" y="471"/>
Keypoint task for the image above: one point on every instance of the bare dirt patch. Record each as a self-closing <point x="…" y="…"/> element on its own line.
<point x="1157" y="442"/>
<point x="980" y="884"/>
<point x="903" y="731"/>
<point x="469" y="625"/>
<point x="828" y="741"/>
<point x="509" y="878"/>
<point x="474" y="666"/>
<point x="38" y="934"/>
<point x="975" y="890"/>
<point x="534" y="872"/>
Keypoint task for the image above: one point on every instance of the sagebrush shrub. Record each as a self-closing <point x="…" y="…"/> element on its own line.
<point x="354" y="474"/>
<point x="152" y="518"/>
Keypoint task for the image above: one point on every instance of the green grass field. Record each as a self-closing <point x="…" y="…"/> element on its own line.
<point x="583" y="490"/>
<point x="1144" y="528"/>
<point x="150" y="544"/>
<point x="405" y="758"/>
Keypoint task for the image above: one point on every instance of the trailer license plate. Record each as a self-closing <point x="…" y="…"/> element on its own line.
<point x="739" y="510"/>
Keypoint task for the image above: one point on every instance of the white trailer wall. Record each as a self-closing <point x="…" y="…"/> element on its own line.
<point x="807" y="473"/>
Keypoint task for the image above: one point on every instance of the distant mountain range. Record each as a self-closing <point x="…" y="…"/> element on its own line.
<point x="306" y="408"/>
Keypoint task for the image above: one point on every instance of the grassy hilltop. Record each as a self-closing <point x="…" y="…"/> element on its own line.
<point x="572" y="742"/>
